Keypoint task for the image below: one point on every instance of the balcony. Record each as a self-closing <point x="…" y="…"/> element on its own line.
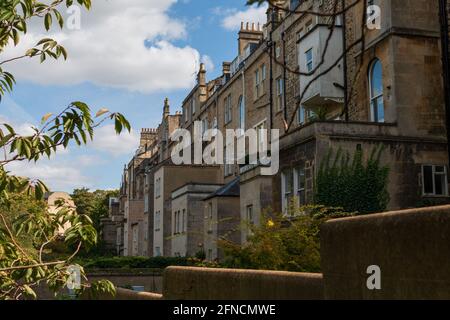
<point x="238" y="62"/>
<point x="327" y="91"/>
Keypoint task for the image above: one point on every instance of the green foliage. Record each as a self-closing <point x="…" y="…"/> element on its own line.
<point x="93" y="204"/>
<point x="23" y="264"/>
<point x="353" y="184"/>
<point x="282" y="242"/>
<point x="134" y="262"/>
<point x="16" y="205"/>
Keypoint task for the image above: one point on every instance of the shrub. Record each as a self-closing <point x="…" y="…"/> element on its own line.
<point x="281" y="242"/>
<point x="133" y="262"/>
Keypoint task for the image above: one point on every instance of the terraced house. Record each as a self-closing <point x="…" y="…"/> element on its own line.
<point x="325" y="80"/>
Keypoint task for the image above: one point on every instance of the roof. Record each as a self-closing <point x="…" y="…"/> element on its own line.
<point x="232" y="189"/>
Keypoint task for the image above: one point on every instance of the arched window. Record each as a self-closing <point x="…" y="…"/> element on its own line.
<point x="376" y="92"/>
<point x="241" y="113"/>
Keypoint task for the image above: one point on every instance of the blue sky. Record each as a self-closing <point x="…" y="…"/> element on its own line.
<point x="127" y="60"/>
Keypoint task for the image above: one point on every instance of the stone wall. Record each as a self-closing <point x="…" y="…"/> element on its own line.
<point x="182" y="283"/>
<point x="411" y="248"/>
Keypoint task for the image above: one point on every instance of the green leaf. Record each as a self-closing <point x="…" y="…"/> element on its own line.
<point x="48" y="21"/>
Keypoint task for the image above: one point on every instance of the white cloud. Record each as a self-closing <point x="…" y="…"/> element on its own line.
<point x="253" y="14"/>
<point x="127" y="45"/>
<point x="57" y="175"/>
<point x="106" y="140"/>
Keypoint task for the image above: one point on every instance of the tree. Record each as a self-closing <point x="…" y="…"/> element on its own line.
<point x="96" y="206"/>
<point x="20" y="270"/>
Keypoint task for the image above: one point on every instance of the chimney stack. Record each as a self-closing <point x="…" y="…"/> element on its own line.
<point x="201" y="76"/>
<point x="249" y="33"/>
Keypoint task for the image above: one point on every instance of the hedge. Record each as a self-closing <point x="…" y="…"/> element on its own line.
<point x="133" y="262"/>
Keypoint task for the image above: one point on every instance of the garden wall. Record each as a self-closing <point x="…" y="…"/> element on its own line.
<point x="231" y="284"/>
<point x="411" y="248"/>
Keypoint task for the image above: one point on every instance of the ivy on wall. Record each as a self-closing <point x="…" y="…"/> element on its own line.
<point x="352" y="183"/>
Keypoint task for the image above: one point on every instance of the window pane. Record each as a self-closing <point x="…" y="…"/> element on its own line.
<point x="301" y="178"/>
<point x="380" y="110"/>
<point x="439" y="182"/>
<point x="376" y="79"/>
<point x="428" y="179"/>
<point x="439" y="169"/>
<point x="288" y="181"/>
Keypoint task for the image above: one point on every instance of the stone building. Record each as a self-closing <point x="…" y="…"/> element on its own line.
<point x="372" y="87"/>
<point x="55" y="201"/>
<point x="112" y="231"/>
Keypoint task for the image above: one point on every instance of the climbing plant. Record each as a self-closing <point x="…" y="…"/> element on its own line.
<point x="352" y="183"/>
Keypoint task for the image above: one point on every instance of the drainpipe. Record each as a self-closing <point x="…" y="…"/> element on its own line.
<point x="445" y="65"/>
<point x="270" y="48"/>
<point x="344" y="62"/>
<point x="284" y="75"/>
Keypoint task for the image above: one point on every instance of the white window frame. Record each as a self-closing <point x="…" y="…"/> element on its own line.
<point x="158" y="220"/>
<point x="373" y="98"/>
<point x="257" y="83"/>
<point x="309" y="63"/>
<point x="284" y="193"/>
<point x="241" y="106"/>
<point x="193" y="107"/>
<point x="250" y="214"/>
<point x="434" y="174"/>
<point x="228" y="110"/>
<point x="280" y="92"/>
<point x="184" y="221"/>
<point x="297" y="187"/>
<point x="301" y="116"/>
<point x="158" y="188"/>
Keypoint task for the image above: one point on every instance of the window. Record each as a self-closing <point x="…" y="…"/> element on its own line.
<point x="210" y="217"/>
<point x="145" y="203"/>
<point x="294" y="4"/>
<point x="157" y="251"/>
<point x="376" y="92"/>
<point x="434" y="180"/>
<point x="301" y="115"/>
<point x="193" y="107"/>
<point x="309" y="60"/>
<point x="277" y="52"/>
<point x="157" y="220"/>
<point x="158" y="188"/>
<point x="228" y="109"/>
<point x="260" y="131"/>
<point x="204" y="125"/>
<point x="184" y="223"/>
<point x="310" y="115"/>
<point x="228" y="167"/>
<point x="179" y="222"/>
<point x="280" y="90"/>
<point x="250" y="219"/>
<point x="241" y="113"/>
<point x="287" y="188"/>
<point x="260" y="77"/>
<point x="309" y="26"/>
<point x="300" y="184"/>
<point x="257" y="84"/>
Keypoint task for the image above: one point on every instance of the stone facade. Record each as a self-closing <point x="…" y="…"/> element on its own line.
<point x="391" y="77"/>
